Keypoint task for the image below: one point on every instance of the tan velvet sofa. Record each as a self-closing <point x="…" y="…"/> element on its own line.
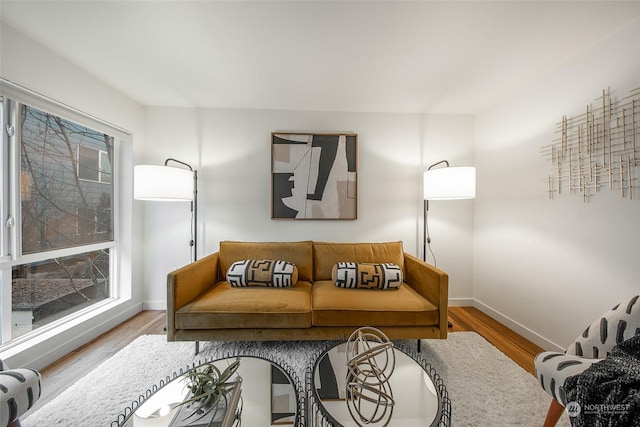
<point x="202" y="306"/>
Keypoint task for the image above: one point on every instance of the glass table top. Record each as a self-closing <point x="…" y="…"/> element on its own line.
<point x="267" y="396"/>
<point x="411" y="398"/>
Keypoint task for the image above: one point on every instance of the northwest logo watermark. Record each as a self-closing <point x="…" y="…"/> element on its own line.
<point x="574" y="408"/>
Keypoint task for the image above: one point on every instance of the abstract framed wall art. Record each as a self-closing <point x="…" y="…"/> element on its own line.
<point x="314" y="175"/>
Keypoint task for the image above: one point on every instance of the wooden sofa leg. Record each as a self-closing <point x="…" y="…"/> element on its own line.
<point x="553" y="414"/>
<point x="418" y="346"/>
<point x="197" y="347"/>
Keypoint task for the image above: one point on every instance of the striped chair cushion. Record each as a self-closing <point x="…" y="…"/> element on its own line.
<point x="19" y="390"/>
<point x="617" y="325"/>
<point x="594" y="344"/>
<point x="553" y="368"/>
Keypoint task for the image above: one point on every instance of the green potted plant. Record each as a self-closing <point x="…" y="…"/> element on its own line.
<point x="211" y="389"/>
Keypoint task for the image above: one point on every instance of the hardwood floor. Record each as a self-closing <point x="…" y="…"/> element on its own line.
<point x="517" y="348"/>
<point x="58" y="376"/>
<point x="66" y="371"/>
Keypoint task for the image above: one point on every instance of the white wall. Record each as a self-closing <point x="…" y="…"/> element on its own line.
<point x="231" y="150"/>
<point x="548" y="268"/>
<point x="27" y="63"/>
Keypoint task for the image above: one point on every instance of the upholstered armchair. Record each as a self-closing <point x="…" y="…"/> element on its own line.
<point x="594" y="344"/>
<point x="19" y="390"/>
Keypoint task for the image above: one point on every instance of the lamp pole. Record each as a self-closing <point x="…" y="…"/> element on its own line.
<point x="426" y="239"/>
<point x="194" y="207"/>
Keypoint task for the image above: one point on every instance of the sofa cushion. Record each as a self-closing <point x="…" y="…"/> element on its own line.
<point x="265" y="273"/>
<point x="298" y="253"/>
<point x="326" y="255"/>
<point x="366" y="276"/>
<point x="227" y="307"/>
<point x="333" y="306"/>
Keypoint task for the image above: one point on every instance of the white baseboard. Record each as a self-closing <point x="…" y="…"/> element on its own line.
<point x="517" y="327"/>
<point x="155" y="305"/>
<point x="460" y="302"/>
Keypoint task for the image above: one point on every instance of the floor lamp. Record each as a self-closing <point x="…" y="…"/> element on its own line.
<point x="169" y="184"/>
<point x="445" y="183"/>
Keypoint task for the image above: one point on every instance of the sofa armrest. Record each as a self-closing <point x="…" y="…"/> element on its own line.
<point x="186" y="283"/>
<point x="431" y="283"/>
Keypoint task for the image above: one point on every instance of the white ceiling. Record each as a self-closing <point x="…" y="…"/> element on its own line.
<point x="450" y="57"/>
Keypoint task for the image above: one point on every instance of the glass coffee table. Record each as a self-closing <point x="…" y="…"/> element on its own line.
<point x="414" y="395"/>
<point x="268" y="395"/>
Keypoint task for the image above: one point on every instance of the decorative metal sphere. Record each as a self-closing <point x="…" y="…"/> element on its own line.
<point x="370" y="363"/>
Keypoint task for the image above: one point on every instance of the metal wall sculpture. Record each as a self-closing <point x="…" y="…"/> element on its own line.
<point x="598" y="149"/>
<point x="314" y="175"/>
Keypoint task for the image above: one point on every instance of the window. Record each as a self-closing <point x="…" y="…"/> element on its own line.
<point x="58" y="227"/>
<point x="61" y="192"/>
<point x="46" y="291"/>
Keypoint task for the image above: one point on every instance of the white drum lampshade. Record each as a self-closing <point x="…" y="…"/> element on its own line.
<point x="162" y="183"/>
<point x="450" y="183"/>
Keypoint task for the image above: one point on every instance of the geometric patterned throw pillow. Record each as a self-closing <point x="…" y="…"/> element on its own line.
<point x="366" y="276"/>
<point x="263" y="273"/>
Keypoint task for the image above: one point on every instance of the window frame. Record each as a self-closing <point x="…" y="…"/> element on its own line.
<point x="11" y="97"/>
<point x="99" y="171"/>
<point x="101" y="174"/>
<point x="4" y="196"/>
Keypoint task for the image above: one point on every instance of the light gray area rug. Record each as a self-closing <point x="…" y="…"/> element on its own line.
<point x="485" y="387"/>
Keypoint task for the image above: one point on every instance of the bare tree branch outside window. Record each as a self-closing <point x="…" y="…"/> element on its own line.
<point x="66" y="201"/>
